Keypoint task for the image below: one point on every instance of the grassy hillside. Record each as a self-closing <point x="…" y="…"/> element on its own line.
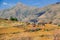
<point x="14" y="30"/>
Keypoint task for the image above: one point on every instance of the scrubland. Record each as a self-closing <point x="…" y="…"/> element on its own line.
<point x="14" y="30"/>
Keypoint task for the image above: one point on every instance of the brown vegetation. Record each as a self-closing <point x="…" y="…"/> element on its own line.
<point x="13" y="30"/>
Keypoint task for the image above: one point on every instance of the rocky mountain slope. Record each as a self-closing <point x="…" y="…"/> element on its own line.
<point x="32" y="14"/>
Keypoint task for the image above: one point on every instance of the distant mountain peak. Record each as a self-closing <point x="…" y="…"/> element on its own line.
<point x="20" y="4"/>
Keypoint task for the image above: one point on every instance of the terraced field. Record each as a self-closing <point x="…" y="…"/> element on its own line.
<point x="13" y="30"/>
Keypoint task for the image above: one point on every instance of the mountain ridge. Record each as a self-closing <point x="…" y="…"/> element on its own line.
<point x="25" y="13"/>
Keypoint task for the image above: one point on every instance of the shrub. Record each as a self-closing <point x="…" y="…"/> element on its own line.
<point x="38" y="29"/>
<point x="41" y="35"/>
<point x="33" y="30"/>
<point x="13" y="19"/>
<point x="59" y="25"/>
<point x="46" y="29"/>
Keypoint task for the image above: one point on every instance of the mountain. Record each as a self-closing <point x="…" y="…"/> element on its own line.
<point x="32" y="14"/>
<point x="52" y="13"/>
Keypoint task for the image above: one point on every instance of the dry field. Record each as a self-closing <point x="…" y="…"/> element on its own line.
<point x="12" y="30"/>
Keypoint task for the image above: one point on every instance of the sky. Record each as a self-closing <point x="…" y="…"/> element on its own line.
<point x="37" y="3"/>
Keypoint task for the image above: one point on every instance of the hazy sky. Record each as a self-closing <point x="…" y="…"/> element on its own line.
<point x="38" y="3"/>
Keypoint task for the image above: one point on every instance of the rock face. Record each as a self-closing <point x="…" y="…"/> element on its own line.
<point x="26" y="13"/>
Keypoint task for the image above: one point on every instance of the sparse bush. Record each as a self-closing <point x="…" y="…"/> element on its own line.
<point x="38" y="29"/>
<point x="41" y="35"/>
<point x="59" y="25"/>
<point x="13" y="19"/>
<point x="33" y="30"/>
<point x="46" y="29"/>
<point x="49" y="29"/>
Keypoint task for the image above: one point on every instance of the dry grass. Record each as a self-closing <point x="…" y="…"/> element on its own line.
<point x="11" y="30"/>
